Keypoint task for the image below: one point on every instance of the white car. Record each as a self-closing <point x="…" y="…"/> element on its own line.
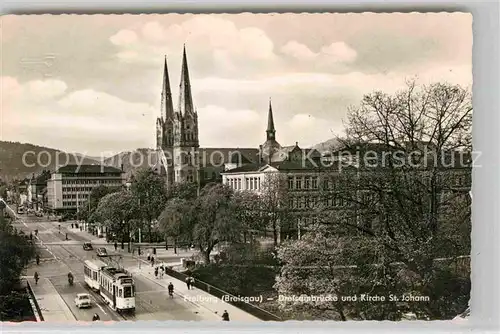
<point x="83" y="300"/>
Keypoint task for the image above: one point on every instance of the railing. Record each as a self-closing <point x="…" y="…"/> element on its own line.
<point x="33" y="302"/>
<point x="214" y="291"/>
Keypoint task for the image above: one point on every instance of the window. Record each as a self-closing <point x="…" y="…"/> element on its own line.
<point x="307" y="182"/>
<point x="239" y="183"/>
<point x="298" y="182"/>
<point x="315" y="182"/>
<point x="247" y="184"/>
<point x="290" y="182"/>
<point x="120" y="293"/>
<point x="127" y="292"/>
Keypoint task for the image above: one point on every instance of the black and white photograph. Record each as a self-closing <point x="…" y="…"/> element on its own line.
<point x="236" y="167"/>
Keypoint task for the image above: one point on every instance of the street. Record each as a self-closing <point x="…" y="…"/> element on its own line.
<point x="58" y="257"/>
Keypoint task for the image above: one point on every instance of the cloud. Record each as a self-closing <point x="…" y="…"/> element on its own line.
<point x="220" y="127"/>
<point x="336" y="52"/>
<point x="46" y="89"/>
<point x="307" y="129"/>
<point x="123" y="37"/>
<point x="76" y="118"/>
<point x="207" y="36"/>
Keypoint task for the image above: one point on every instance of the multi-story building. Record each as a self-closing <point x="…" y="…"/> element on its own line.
<point x="69" y="187"/>
<point x="337" y="183"/>
<point x="39" y="189"/>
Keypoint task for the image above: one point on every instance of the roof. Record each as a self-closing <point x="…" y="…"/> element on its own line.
<point x="83" y="169"/>
<point x="220" y="156"/>
<point x="280" y="165"/>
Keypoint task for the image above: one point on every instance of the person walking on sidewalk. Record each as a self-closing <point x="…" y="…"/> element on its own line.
<point x="191" y="281"/>
<point x="116" y="246"/>
<point x="152" y="261"/>
<point x="188" y="282"/>
<point x="149" y="257"/>
<point x="37" y="259"/>
<point x="162" y="272"/>
<point x="36" y="277"/>
<point x="171" y="290"/>
<point x="156" y="272"/>
<point x="225" y="316"/>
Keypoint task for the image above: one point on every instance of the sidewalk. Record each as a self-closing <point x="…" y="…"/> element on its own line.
<point x="195" y="296"/>
<point x="52" y="306"/>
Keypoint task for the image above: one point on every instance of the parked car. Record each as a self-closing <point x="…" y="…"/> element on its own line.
<point x="102" y="251"/>
<point x="87" y="246"/>
<point x="83" y="300"/>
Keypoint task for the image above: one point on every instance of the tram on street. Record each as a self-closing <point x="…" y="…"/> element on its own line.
<point x="117" y="288"/>
<point x="91" y="272"/>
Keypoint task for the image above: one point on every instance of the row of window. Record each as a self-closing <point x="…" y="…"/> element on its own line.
<point x="108" y="184"/>
<point x="73" y="203"/>
<point x="82" y="175"/>
<point x="90" y="181"/>
<point x="90" y="273"/>
<point x="73" y="196"/>
<point x="303" y="182"/>
<point x="305" y="202"/>
<point x="251" y="183"/>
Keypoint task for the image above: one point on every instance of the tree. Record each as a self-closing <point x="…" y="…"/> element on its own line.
<point x="97" y="193"/>
<point x="274" y="203"/>
<point x="403" y="189"/>
<point x="150" y="191"/>
<point x="15" y="253"/>
<point x="174" y="220"/>
<point x="216" y="217"/>
<point x="117" y="210"/>
<point x="247" y="208"/>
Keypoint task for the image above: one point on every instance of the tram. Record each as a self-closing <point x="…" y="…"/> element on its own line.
<point x="117" y="288"/>
<point x="91" y="272"/>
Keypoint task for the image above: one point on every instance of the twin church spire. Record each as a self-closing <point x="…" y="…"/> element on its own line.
<point x="185" y="105"/>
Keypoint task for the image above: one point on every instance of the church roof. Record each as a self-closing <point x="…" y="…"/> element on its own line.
<point x="219" y="156"/>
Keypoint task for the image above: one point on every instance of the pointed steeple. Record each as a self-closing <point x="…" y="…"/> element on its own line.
<point x="271" y="132"/>
<point x="185" y="97"/>
<point x="167" y="107"/>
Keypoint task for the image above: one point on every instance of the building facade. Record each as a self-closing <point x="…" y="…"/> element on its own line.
<point x="69" y="187"/>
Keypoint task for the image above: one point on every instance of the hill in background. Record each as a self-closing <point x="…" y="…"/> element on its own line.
<point x="36" y="158"/>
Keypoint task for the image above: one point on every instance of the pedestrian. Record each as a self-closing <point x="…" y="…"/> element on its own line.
<point x="149" y="257"/>
<point x="139" y="251"/>
<point x="31" y="236"/>
<point x="156" y="272"/>
<point x="162" y="271"/>
<point x="188" y="283"/>
<point x="116" y="246"/>
<point x="37" y="259"/>
<point x="72" y="225"/>
<point x="152" y="261"/>
<point x="191" y="281"/>
<point x="225" y="316"/>
<point x="36" y="277"/>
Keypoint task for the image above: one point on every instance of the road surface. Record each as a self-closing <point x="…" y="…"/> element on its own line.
<point x="58" y="257"/>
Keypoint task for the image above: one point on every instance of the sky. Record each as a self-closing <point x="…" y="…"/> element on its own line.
<point x="92" y="83"/>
